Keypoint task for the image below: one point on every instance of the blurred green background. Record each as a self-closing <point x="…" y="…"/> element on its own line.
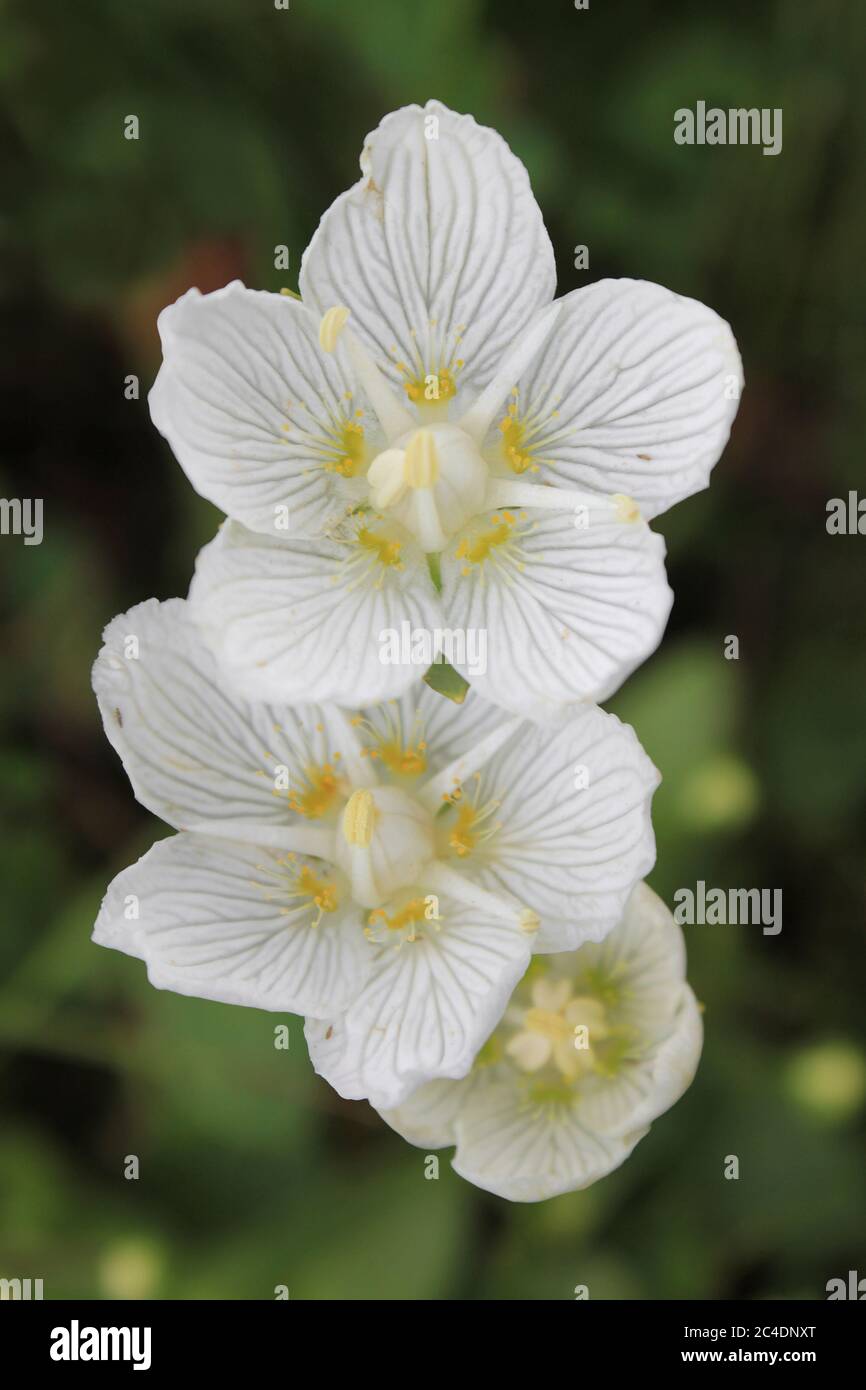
<point x="253" y="1173"/>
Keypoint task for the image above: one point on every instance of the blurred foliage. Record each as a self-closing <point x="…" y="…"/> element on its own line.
<point x="253" y="1173"/>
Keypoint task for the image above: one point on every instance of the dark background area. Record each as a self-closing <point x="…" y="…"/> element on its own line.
<point x="253" y="1172"/>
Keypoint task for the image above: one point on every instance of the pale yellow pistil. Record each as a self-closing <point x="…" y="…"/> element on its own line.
<point x="359" y="818"/>
<point x="395" y="471"/>
<point x="560" y="1030"/>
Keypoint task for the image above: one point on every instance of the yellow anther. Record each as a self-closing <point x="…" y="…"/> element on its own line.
<point x="480" y="544"/>
<point x="316" y="798"/>
<point x="529" y="920"/>
<point x="627" y="509"/>
<point x="332" y="326"/>
<point x="421" y="465"/>
<point x="359" y="818"/>
<point x="517" y="452"/>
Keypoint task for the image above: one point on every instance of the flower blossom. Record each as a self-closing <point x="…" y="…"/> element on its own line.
<point x="594" y="1045"/>
<point x="387" y="873"/>
<point x="426" y="436"/>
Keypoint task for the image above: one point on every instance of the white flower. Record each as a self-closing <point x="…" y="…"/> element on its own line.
<point x="427" y="409"/>
<point x="390" y="869"/>
<point x="593" y="1047"/>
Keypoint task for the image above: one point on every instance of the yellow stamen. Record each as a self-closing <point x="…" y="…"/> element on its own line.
<point x="411" y="760"/>
<point x="323" y="894"/>
<point x="470" y="828"/>
<point x="319" y="797"/>
<point x="413" y="912"/>
<point x="518" y="454"/>
<point x="461" y="839"/>
<point x="477" y="548"/>
<point x="387" y="552"/>
<point x="349" y="452"/>
<point x="433" y="388"/>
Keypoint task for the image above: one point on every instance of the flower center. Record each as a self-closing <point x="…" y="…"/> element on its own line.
<point x="384" y="841"/>
<point x="433" y="480"/>
<point x="559" y="1032"/>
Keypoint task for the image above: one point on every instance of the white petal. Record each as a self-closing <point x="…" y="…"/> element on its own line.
<point x="576" y="834"/>
<point x="255" y="411"/>
<point x="634" y="392"/>
<point x="676" y="1060"/>
<point x="332" y="1059"/>
<point x="644" y="958"/>
<point x="438" y="250"/>
<point x="427" y="1117"/>
<point x="214" y="920"/>
<point x="300" y="621"/>
<point x="642" y="1091"/>
<point x="527" y="1152"/>
<point x="196" y="752"/>
<point x="569" y="613"/>
<point x="426" y="1008"/>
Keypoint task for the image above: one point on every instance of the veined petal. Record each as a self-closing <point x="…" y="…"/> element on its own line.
<point x="527" y="1149"/>
<point x="300" y="621"/>
<point x="226" y="921"/>
<point x="572" y="833"/>
<point x="265" y="425"/>
<point x="634" y="392"/>
<point x="643" y="963"/>
<point x="676" y="1059"/>
<point x="427" y="1006"/>
<point x="641" y="1092"/>
<point x="427" y="1117"/>
<point x="439" y="250"/>
<point x="197" y="753"/>
<point x="530" y="1121"/>
<point x="569" y="611"/>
